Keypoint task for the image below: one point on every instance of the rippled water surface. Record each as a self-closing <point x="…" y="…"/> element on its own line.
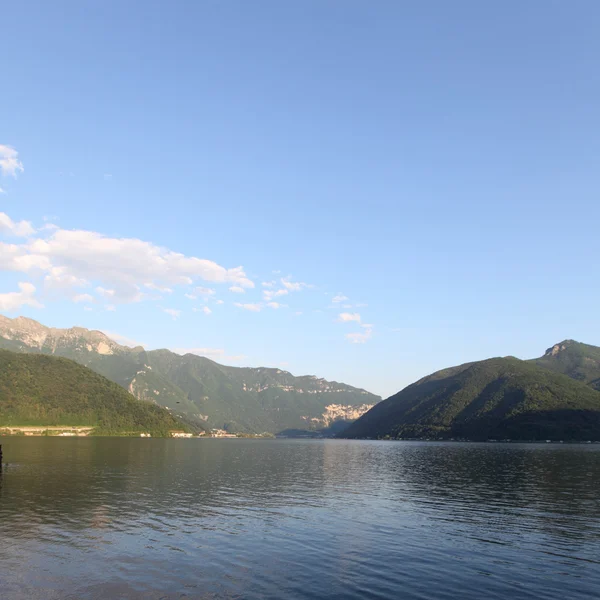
<point x="138" y="518"/>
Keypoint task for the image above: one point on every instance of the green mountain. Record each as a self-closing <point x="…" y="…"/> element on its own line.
<point x="197" y="389"/>
<point x="499" y="398"/>
<point x="578" y="361"/>
<point x="46" y="390"/>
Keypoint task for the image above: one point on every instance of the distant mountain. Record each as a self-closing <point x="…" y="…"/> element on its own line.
<point x="46" y="390"/>
<point x="498" y="398"/>
<point x="197" y="389"/>
<point x="578" y="361"/>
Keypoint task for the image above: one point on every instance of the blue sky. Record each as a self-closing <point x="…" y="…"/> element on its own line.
<point x="417" y="182"/>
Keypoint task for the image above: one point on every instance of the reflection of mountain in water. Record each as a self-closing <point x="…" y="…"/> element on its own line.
<point x="501" y="487"/>
<point x="157" y="518"/>
<point x="116" y="482"/>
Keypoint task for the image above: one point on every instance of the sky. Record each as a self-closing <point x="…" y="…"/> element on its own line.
<point x="363" y="191"/>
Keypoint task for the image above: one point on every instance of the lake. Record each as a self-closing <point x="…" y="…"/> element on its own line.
<point x="169" y="519"/>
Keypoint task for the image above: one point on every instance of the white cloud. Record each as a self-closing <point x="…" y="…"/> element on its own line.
<point x="293" y="286"/>
<point x="16" y="228"/>
<point x="339" y="298"/>
<point x="204" y="309"/>
<point x="59" y="278"/>
<point x="250" y="307"/>
<point x="236" y="289"/>
<point x="2" y="191"/>
<point x="49" y="227"/>
<point x="348" y="317"/>
<point x="173" y="312"/>
<point x="204" y="291"/>
<point x="268" y="284"/>
<point x="9" y="161"/>
<point x="110" y="307"/>
<point x="220" y="302"/>
<point x="361" y="305"/>
<point x="191" y="296"/>
<point x="78" y="298"/>
<point x="275" y="305"/>
<point x="12" y="258"/>
<point x="125" y="265"/>
<point x="106" y="293"/>
<point x="158" y="288"/>
<point x="346" y="305"/>
<point x="298" y="313"/>
<point x="359" y="338"/>
<point x="14" y="300"/>
<point x="270" y="294"/>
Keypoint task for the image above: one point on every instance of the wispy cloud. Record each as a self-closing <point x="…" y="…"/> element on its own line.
<point x="275" y="305"/>
<point x="339" y="298"/>
<point x="361" y="338"/>
<point x="85" y="298"/>
<point x="348" y="317"/>
<point x="158" y="288"/>
<point x="105" y="293"/>
<point x="203" y="309"/>
<point x="250" y="307"/>
<point x="173" y="312"/>
<point x="270" y="294"/>
<point x="236" y="289"/>
<point x="204" y="291"/>
<point x="293" y="286"/>
<point x="10" y="164"/>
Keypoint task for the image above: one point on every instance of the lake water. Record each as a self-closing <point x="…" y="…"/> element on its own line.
<point x="165" y="519"/>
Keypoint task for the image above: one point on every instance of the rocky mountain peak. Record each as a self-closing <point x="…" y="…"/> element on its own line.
<point x="557" y="348"/>
<point x="36" y="335"/>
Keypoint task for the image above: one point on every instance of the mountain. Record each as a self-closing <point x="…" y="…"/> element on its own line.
<point x="46" y="390"/>
<point x="197" y="389"/>
<point x="578" y="361"/>
<point x="498" y="398"/>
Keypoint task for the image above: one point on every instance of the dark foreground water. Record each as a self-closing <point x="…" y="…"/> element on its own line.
<point x="137" y="518"/>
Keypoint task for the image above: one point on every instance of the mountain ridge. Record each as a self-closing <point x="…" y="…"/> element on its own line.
<point x="202" y="391"/>
<point x="502" y="397"/>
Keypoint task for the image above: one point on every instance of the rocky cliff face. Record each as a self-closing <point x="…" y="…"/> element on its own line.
<point x="36" y="336"/>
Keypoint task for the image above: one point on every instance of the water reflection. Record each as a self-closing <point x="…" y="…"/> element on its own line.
<point x="97" y="518"/>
